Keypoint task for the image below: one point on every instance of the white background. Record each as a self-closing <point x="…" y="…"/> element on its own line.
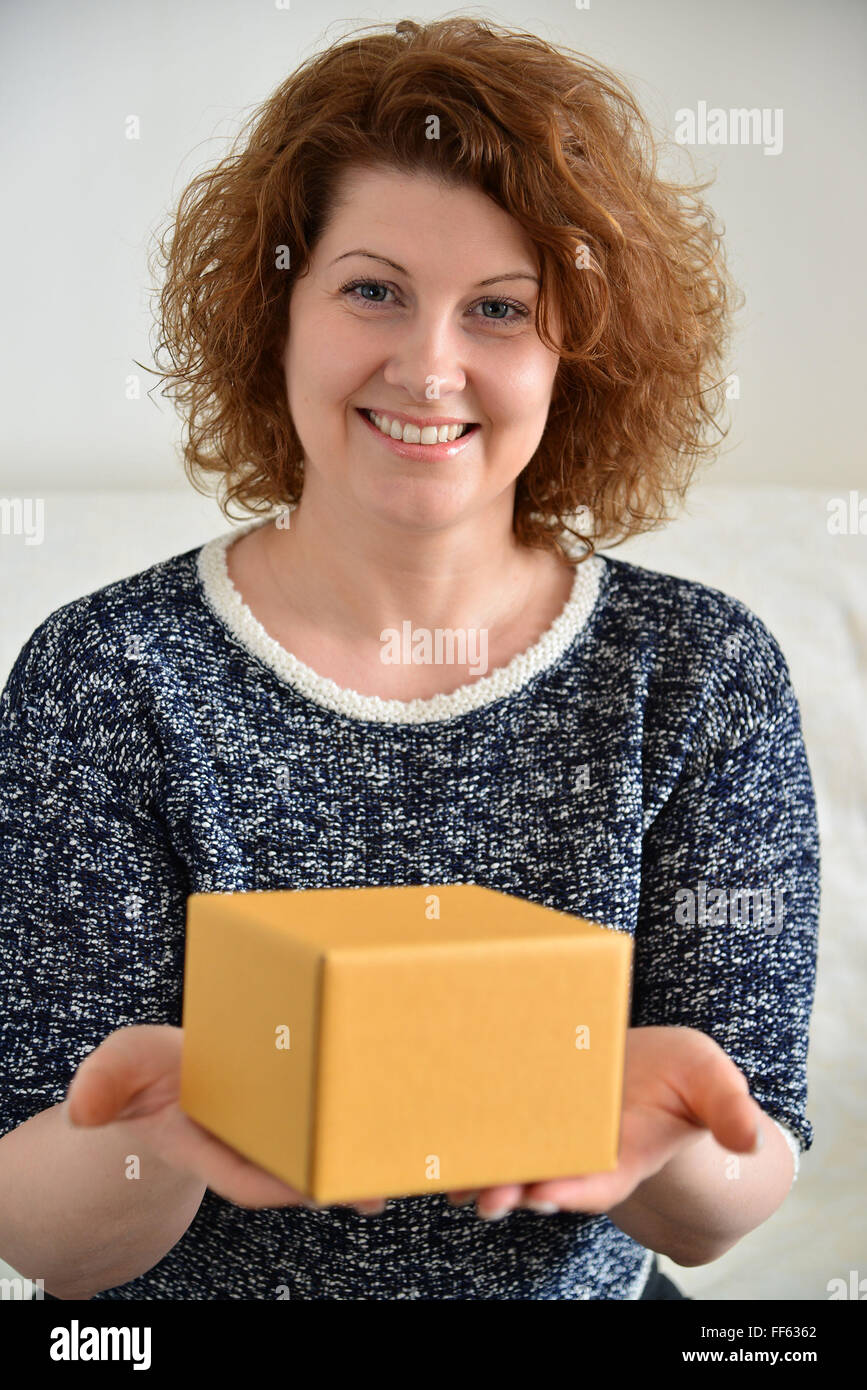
<point x="81" y="201"/>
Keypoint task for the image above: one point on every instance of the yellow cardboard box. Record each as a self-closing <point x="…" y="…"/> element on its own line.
<point x="385" y="1042"/>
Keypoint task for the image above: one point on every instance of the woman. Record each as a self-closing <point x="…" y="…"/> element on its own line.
<point x="437" y="308"/>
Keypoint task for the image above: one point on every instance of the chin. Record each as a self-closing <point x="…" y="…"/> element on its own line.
<point x="424" y="507"/>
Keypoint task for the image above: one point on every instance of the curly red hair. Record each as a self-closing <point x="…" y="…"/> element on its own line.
<point x="633" y="264"/>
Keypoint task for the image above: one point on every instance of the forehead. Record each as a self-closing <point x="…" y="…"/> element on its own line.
<point x="423" y="221"/>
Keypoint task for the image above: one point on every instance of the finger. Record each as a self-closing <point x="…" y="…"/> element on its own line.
<point x="93" y="1096"/>
<point x="718" y="1094"/>
<point x="597" y="1192"/>
<point x="738" y="1122"/>
<point x="461" y="1196"/>
<point x="492" y="1200"/>
<point x="123" y="1064"/>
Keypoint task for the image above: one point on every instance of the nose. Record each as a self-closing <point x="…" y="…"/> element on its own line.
<point x="426" y="361"/>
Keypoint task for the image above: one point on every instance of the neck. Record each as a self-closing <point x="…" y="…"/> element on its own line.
<point x="357" y="577"/>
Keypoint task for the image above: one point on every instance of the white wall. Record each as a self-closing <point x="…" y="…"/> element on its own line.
<point x="81" y="201"/>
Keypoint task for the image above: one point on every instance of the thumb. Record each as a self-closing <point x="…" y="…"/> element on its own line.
<point x="94" y="1096"/>
<point x="718" y="1095"/>
<point x="124" y="1064"/>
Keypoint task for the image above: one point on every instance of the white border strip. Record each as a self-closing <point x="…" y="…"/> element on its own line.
<point x="227" y="604"/>
<point x="793" y="1144"/>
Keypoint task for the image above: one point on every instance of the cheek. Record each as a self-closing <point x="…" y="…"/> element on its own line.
<point x="517" y="387"/>
<point x="530" y="380"/>
<point x="329" y="358"/>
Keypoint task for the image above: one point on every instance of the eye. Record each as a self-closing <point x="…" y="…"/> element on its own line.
<point x="351" y="289"/>
<point x="352" y="285"/>
<point x="520" y="310"/>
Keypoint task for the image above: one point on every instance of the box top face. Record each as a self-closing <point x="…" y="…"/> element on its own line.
<point x="336" y="918"/>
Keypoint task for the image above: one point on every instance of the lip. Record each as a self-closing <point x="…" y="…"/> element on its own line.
<point x="420" y="420"/>
<point x="422" y="452"/>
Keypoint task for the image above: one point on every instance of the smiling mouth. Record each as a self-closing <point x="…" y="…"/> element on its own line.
<point x="416" y="434"/>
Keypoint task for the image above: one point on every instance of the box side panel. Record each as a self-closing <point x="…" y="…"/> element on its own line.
<point x="249" y="1019"/>
<point x="445" y="1069"/>
<point x="619" y="964"/>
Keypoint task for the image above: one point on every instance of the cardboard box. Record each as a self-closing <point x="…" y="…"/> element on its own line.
<point x="385" y="1042"/>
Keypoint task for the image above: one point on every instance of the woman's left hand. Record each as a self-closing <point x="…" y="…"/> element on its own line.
<point x="678" y="1084"/>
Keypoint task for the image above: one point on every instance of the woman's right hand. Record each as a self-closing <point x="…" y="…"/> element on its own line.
<point x="134" y="1077"/>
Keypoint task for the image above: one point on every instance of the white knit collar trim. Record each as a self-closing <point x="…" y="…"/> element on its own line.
<point x="226" y="602"/>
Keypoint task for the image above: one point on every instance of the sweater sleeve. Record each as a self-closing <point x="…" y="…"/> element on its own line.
<point x="726" y="938"/>
<point x="92" y="897"/>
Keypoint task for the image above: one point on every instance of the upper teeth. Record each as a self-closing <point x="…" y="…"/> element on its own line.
<point x="412" y="434"/>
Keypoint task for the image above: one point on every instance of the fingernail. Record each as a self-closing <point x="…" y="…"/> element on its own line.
<point x="463" y="1201"/>
<point x="371" y="1211"/>
<point x="495" y="1215"/>
<point x="760" y="1139"/>
<point x="309" y="1202"/>
<point x="537" y="1204"/>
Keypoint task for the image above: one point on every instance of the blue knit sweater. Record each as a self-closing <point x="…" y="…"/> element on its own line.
<point x="641" y="766"/>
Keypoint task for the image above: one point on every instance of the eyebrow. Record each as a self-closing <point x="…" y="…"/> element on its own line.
<point x="491" y="280"/>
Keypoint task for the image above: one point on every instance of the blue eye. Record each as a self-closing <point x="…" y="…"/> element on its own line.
<point x="365" y="285"/>
<point x="520" y="311"/>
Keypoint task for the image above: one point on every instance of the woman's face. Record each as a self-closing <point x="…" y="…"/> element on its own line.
<point x="418" y="305"/>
